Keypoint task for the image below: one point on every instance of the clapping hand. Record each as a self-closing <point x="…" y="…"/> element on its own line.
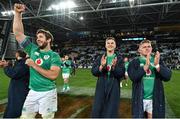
<point x="156" y="58"/>
<point x="146" y="66"/>
<point x="103" y="60"/>
<point x="114" y="62"/>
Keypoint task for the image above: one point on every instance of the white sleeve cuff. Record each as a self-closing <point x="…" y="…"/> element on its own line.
<point x="157" y="66"/>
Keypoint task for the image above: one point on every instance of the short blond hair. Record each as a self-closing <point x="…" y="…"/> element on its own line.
<point x="144" y="41"/>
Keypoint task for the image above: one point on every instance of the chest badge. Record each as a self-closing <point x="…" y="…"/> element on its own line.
<point x="39" y="61"/>
<point x="46" y="57"/>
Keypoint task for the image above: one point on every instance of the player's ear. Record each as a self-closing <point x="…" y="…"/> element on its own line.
<point x="49" y="40"/>
<point x="139" y="50"/>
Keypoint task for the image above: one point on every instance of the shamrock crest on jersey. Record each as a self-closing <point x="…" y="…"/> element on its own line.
<point x="46" y="57"/>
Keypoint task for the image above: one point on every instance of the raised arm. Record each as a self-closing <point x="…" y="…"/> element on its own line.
<point x="18" y="28"/>
<point x="18" y="71"/>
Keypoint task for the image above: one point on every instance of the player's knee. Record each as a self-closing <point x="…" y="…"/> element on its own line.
<point x="48" y="115"/>
<point x="28" y="116"/>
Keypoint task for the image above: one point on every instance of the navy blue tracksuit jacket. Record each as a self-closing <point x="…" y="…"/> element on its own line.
<point x="136" y="72"/>
<point x="107" y="95"/>
<point x="18" y="88"/>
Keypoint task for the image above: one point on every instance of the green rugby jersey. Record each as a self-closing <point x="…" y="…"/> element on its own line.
<point x="126" y="65"/>
<point x="44" y="59"/>
<point x="66" y="67"/>
<point x="148" y="78"/>
<point x="109" y="63"/>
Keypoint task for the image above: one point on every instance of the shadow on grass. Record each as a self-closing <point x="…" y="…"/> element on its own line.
<point x="71" y="106"/>
<point x="81" y="107"/>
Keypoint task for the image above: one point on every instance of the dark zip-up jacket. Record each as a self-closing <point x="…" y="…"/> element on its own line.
<point x="18" y="88"/>
<point x="136" y="72"/>
<point x="107" y="94"/>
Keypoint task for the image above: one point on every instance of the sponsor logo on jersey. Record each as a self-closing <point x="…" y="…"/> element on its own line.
<point x="36" y="53"/>
<point x="108" y="68"/>
<point x="39" y="61"/>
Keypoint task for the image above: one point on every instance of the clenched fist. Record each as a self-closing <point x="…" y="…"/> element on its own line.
<point x="19" y="8"/>
<point x="3" y="63"/>
<point x="30" y="62"/>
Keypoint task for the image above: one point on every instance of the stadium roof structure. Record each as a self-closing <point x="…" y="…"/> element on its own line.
<point x="96" y="15"/>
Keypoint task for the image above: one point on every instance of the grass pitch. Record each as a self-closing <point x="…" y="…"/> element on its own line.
<point x="84" y="78"/>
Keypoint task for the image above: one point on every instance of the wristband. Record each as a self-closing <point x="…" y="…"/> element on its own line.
<point x="157" y="66"/>
<point x="102" y="65"/>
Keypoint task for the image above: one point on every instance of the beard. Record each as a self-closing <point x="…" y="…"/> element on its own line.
<point x="43" y="45"/>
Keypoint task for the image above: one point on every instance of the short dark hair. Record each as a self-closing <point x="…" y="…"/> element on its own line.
<point x="47" y="34"/>
<point x="21" y="53"/>
<point x="110" y="38"/>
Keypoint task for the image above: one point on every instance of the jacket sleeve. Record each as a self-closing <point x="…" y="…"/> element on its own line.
<point x="119" y="69"/>
<point x="164" y="73"/>
<point x="16" y="72"/>
<point x="135" y="71"/>
<point x="95" y="68"/>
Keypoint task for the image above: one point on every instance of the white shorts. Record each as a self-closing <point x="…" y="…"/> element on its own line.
<point x="65" y="75"/>
<point x="147" y="105"/>
<point x="42" y="102"/>
<point x="126" y="73"/>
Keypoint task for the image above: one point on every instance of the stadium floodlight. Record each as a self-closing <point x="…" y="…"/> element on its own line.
<point x="71" y="4"/>
<point x="113" y="1"/>
<point x="62" y="5"/>
<point x="7" y="13"/>
<point x="81" y="18"/>
<point x="131" y="2"/>
<point x="56" y="7"/>
<point x="3" y="13"/>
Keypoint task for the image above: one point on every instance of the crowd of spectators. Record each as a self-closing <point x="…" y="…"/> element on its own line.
<point x="85" y="52"/>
